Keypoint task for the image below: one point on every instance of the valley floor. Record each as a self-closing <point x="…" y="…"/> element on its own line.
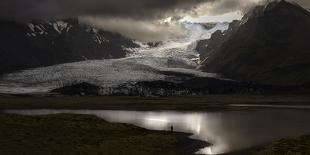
<point x="199" y="103"/>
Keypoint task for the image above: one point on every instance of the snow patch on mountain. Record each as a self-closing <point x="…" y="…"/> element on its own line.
<point x="44" y="28"/>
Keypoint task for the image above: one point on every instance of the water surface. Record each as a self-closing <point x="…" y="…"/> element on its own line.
<point x="228" y="131"/>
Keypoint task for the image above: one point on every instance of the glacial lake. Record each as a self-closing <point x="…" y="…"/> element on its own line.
<point x="227" y="131"/>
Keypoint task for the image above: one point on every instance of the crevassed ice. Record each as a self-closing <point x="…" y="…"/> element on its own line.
<point x="145" y="64"/>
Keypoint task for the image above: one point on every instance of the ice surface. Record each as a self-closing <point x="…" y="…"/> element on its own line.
<point x="144" y="64"/>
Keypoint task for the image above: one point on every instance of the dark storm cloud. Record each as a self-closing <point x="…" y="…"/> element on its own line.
<point x="137" y="9"/>
<point x="137" y="19"/>
<point x="218" y="7"/>
<point x="21" y="9"/>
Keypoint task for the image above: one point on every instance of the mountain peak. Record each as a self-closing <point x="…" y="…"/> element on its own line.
<point x="276" y="8"/>
<point x="269" y="46"/>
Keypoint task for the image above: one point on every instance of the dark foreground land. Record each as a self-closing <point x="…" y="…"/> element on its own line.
<point x="84" y="134"/>
<point x="288" y="146"/>
<point x="197" y="103"/>
<point x="295" y="146"/>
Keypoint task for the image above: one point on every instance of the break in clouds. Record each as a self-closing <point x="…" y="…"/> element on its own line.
<point x="137" y="19"/>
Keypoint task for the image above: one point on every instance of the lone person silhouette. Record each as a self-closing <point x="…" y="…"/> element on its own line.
<point x="171" y="128"/>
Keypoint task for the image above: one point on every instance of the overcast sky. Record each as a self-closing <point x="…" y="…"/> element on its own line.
<point x="132" y="18"/>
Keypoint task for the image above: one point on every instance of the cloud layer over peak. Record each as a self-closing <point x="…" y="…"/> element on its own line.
<point x="138" y="19"/>
<point x="139" y="9"/>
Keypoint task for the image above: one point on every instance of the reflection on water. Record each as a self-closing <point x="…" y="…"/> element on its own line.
<point x="227" y="131"/>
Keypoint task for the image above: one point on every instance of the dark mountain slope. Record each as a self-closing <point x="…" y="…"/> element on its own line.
<point x="43" y="43"/>
<point x="271" y="45"/>
<point x="206" y="47"/>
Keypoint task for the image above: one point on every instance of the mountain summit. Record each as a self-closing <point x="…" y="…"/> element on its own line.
<point x="43" y="43"/>
<point x="270" y="45"/>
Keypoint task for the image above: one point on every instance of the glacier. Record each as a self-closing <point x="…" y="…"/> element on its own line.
<point x="142" y="64"/>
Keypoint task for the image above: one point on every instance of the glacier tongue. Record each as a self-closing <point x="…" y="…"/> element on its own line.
<point x="144" y="64"/>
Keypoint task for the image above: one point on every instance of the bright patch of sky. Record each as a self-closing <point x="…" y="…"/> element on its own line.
<point x="227" y="17"/>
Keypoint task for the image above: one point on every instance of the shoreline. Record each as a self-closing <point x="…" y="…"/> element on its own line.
<point x="182" y="144"/>
<point x="183" y="104"/>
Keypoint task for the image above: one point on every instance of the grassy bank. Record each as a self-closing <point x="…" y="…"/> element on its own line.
<point x="211" y="102"/>
<point x="290" y="146"/>
<point x="84" y="134"/>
